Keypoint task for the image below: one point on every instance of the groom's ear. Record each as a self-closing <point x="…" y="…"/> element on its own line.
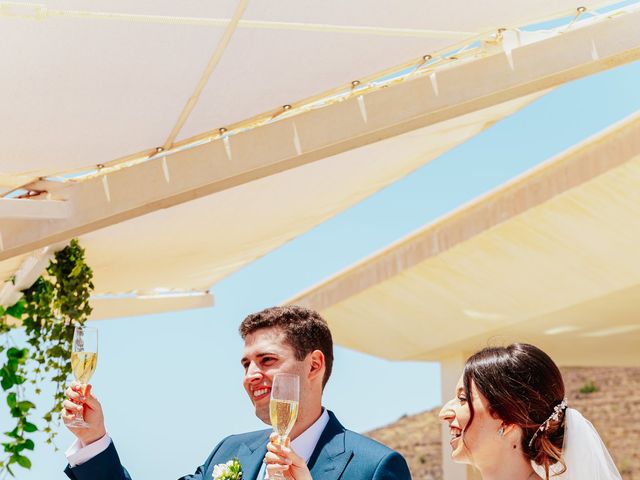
<point x="316" y="364"/>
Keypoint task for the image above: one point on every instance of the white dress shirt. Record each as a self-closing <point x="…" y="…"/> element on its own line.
<point x="303" y="445"/>
<point x="79" y="453"/>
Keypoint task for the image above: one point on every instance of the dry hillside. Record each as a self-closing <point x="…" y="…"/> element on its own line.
<point x="614" y="408"/>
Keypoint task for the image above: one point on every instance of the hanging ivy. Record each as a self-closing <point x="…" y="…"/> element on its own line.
<point x="49" y="311"/>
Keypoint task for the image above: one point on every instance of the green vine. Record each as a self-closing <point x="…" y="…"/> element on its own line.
<point x="49" y="310"/>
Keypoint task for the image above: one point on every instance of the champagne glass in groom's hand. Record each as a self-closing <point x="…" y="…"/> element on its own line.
<point x="84" y="359"/>
<point x="283" y="407"/>
<point x="82" y="412"/>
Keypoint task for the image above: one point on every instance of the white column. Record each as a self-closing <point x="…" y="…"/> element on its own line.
<point x="450" y="371"/>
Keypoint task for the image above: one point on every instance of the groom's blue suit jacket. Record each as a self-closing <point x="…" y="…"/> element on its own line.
<point x="340" y="455"/>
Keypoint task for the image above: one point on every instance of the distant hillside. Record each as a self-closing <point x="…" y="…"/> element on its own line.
<point x="614" y="409"/>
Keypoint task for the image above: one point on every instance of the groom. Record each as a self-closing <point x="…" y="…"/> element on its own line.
<point x="288" y="339"/>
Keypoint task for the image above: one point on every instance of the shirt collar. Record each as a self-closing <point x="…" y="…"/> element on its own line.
<point x="305" y="443"/>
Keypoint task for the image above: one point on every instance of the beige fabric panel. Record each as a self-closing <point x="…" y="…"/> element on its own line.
<point x="563" y="274"/>
<point x="193" y="245"/>
<point x="121" y="89"/>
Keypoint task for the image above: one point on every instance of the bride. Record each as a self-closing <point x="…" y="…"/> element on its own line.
<point x="510" y="419"/>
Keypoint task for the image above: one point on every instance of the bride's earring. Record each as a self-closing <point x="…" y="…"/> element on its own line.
<point x="501" y="431"/>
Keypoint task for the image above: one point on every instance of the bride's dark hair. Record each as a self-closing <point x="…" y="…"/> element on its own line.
<point x="522" y="386"/>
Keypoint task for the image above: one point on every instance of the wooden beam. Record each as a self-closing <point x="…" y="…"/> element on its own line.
<point x="32" y="209"/>
<point x="463" y="87"/>
<point x="108" y="308"/>
<point x="28" y="272"/>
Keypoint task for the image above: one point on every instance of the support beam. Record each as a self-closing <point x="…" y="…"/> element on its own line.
<point x="31" y="268"/>
<point x="463" y="87"/>
<point x="107" y="308"/>
<point x="31" y="209"/>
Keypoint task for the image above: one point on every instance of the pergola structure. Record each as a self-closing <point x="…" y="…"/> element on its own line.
<point x="182" y="140"/>
<point x="550" y="258"/>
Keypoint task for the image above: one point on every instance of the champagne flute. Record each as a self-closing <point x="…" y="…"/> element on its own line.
<point x="283" y="406"/>
<point x="84" y="359"/>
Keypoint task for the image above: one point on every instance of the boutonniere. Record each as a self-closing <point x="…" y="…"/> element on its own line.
<point x="232" y="470"/>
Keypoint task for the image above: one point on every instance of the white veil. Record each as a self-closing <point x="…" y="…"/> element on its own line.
<point x="583" y="451"/>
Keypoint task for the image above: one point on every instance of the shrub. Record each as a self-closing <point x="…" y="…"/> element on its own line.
<point x="589" y="387"/>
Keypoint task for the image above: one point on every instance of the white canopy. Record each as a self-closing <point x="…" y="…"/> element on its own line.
<point x="141" y="126"/>
<point x="85" y="84"/>
<point x="550" y="258"/>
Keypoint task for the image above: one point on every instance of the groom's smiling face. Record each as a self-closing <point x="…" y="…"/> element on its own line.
<point x="266" y="352"/>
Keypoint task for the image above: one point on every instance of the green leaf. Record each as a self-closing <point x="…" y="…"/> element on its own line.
<point x="29" y="427"/>
<point x="56" y="351"/>
<point x="17" y="309"/>
<point x="77" y="270"/>
<point x="11" y="400"/>
<point x="6" y="383"/>
<point x="25" y="405"/>
<point x="14" y="352"/>
<point x="24" y="461"/>
<point x="28" y="444"/>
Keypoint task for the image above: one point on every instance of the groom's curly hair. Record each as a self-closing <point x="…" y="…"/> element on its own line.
<point x="305" y="330"/>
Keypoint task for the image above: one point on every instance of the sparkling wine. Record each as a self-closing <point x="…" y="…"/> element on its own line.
<point x="83" y="364"/>
<point x="283" y="415"/>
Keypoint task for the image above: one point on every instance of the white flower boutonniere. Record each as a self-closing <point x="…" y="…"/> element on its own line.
<point x="232" y="470"/>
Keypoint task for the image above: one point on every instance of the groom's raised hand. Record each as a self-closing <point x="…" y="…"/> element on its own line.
<point x="89" y="406"/>
<point x="282" y="458"/>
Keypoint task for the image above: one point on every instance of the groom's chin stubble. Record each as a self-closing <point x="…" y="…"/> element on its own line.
<point x="262" y="413"/>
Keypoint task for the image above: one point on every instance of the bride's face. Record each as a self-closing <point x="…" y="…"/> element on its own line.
<point x="480" y="443"/>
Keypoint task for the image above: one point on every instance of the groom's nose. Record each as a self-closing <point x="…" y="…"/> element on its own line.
<point x="253" y="373"/>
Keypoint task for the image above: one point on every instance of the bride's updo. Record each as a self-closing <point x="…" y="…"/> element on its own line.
<point x="523" y="386"/>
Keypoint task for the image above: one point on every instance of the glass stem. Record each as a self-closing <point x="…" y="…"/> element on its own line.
<point x="279" y="475"/>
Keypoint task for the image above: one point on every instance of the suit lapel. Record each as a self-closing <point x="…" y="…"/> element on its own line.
<point x="251" y="456"/>
<point x="330" y="457"/>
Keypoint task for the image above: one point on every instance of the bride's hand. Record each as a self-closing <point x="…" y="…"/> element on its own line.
<point x="284" y="459"/>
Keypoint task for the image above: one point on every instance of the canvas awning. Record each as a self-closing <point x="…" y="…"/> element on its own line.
<point x="551" y="258"/>
<point x="97" y="141"/>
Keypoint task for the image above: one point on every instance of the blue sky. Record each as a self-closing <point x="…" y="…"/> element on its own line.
<point x="171" y="384"/>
